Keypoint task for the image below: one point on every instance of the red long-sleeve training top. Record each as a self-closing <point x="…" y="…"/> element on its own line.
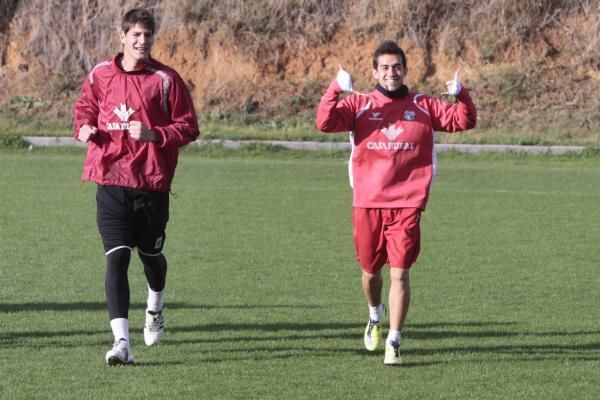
<point x="153" y="94"/>
<point x="392" y="160"/>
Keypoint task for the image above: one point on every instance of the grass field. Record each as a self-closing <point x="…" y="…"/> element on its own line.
<point x="264" y="298"/>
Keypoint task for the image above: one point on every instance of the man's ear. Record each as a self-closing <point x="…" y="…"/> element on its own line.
<point x="375" y="75"/>
<point x="123" y="34"/>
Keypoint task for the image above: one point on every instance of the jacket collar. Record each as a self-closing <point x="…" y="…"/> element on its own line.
<point x="143" y="66"/>
<point x="396" y="94"/>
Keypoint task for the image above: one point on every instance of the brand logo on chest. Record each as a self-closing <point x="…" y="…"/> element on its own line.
<point x="123" y="113"/>
<point x="376" y="116"/>
<point x="392" y="132"/>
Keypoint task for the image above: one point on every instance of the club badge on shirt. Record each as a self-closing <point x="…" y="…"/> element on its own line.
<point x="409" y="115"/>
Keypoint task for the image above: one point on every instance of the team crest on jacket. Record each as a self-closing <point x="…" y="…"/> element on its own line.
<point x="409" y="115"/>
<point x="391" y="132"/>
<point x="123" y="113"/>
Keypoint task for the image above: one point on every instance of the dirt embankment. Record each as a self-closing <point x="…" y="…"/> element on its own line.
<point x="547" y="79"/>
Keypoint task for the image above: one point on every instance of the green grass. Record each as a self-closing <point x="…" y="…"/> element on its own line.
<point x="263" y="296"/>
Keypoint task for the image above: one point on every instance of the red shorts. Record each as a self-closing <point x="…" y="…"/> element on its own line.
<point x="386" y="235"/>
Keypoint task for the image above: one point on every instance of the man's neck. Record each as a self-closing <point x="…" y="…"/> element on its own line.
<point x="395" y="94"/>
<point x="130" y="64"/>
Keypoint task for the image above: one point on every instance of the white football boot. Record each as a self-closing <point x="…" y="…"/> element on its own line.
<point x="153" y="328"/>
<point x="373" y="330"/>
<point x="120" y="354"/>
<point x="392" y="353"/>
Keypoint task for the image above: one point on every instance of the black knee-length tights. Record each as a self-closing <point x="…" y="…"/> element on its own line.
<point x="116" y="282"/>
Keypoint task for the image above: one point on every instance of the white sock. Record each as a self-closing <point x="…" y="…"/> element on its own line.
<point x="155" y="300"/>
<point x="376" y="312"/>
<point x="393" y="336"/>
<point x="120" y="329"/>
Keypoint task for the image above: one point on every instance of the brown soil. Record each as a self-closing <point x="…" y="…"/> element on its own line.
<point x="540" y="84"/>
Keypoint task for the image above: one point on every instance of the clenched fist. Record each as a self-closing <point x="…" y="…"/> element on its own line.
<point x="140" y="132"/>
<point x="86" y="132"/>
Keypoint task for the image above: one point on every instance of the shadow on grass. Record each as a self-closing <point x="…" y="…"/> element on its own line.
<point x="441" y="342"/>
<point x="272" y="326"/>
<point x="95" y="306"/>
<point x="433" y="325"/>
<point x="412" y="357"/>
<point x="313" y="331"/>
<point x="142" y="364"/>
<point x="515" y="351"/>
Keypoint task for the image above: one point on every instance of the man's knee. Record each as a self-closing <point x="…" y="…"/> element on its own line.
<point x="372" y="277"/>
<point x="152" y="261"/>
<point x="400" y="274"/>
<point x="117" y="259"/>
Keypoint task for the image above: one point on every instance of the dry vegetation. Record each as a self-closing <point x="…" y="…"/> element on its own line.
<point x="533" y="65"/>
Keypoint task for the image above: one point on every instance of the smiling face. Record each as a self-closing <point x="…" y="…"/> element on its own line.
<point x="390" y="72"/>
<point x="137" y="43"/>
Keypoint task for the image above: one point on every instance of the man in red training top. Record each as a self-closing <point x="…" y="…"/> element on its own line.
<point x="391" y="170"/>
<point x="134" y="113"/>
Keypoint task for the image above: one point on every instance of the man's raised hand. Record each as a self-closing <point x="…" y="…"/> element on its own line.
<point x="344" y="80"/>
<point x="454" y="86"/>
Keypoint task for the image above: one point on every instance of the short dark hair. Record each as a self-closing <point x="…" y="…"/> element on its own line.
<point x="388" y="47"/>
<point x="137" y="16"/>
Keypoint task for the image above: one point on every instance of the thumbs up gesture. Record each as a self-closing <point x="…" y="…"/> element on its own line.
<point x="453" y="86"/>
<point x="344" y="79"/>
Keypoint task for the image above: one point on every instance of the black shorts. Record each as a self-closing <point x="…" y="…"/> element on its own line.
<point x="132" y="218"/>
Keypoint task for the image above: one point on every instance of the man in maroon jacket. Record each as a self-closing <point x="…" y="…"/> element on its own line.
<point x="391" y="169"/>
<point x="134" y="113"/>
